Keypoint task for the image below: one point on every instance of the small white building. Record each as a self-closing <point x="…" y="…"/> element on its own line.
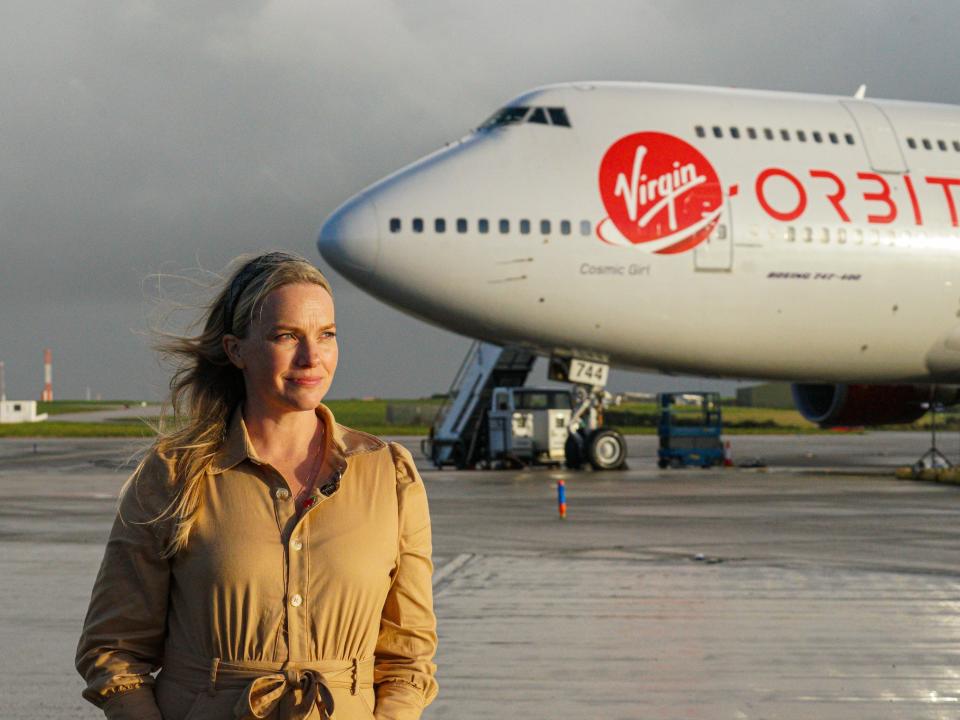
<point x="16" y="411"/>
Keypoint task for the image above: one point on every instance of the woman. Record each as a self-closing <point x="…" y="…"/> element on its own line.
<point x="272" y="563"/>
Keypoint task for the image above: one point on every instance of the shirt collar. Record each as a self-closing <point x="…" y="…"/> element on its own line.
<point x="237" y="446"/>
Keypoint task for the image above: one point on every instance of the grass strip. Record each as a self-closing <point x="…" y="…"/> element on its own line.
<point x="52" y="428"/>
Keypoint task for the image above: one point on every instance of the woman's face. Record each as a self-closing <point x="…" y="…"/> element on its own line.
<point x="289" y="355"/>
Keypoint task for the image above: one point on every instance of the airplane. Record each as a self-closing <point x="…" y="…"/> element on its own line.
<point x="687" y="230"/>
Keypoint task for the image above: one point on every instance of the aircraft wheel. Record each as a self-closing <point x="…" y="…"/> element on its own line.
<point x="607" y="449"/>
<point x="663" y="464"/>
<point x="573" y="451"/>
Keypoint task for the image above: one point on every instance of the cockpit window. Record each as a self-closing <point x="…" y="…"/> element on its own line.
<point x="558" y="116"/>
<point x="505" y="116"/>
<point x="539" y="115"/>
<point x="522" y="113"/>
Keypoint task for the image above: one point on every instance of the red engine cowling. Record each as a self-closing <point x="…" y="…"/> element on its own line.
<point x="855" y="405"/>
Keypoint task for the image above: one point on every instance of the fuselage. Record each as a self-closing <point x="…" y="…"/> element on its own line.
<point x="682" y="229"/>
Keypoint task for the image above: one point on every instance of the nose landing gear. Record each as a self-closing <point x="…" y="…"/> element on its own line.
<point x="603" y="448"/>
<point x="589" y="442"/>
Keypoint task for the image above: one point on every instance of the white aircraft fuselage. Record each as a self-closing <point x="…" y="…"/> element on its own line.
<point x="682" y="229"/>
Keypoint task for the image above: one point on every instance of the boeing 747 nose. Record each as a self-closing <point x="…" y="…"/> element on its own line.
<point x="350" y="240"/>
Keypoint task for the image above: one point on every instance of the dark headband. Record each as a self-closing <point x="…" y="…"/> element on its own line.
<point x="247" y="274"/>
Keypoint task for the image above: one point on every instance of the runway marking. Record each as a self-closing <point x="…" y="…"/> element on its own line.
<point x="451" y="567"/>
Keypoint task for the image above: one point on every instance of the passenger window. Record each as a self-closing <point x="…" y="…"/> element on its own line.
<point x="558" y="116"/>
<point x="564" y="227"/>
<point x="808" y="234"/>
<point x="700" y="131"/>
<point x="544" y="227"/>
<point x="956" y="145"/>
<point x="752" y="133"/>
<point x="841" y="236"/>
<point x="394" y="225"/>
<point x="801" y="136"/>
<point x="735" y="133"/>
<point x="824" y="235"/>
<point x="927" y="145"/>
<point x="833" y="138"/>
<point x="849" y="138"/>
<point x="539" y="116"/>
<point x="941" y="144"/>
<point x="785" y="135"/>
<point x="768" y="133"/>
<point x="440" y="225"/>
<point x="791" y="234"/>
<point x="721" y="232"/>
<point x="461" y="225"/>
<point x="504" y="226"/>
<point x="717" y="131"/>
<point x="418" y="225"/>
<point x="525" y="227"/>
<point x="483" y="226"/>
<point x="584" y="227"/>
<point x="911" y="143"/>
<point x="858" y="236"/>
<point x="817" y="137"/>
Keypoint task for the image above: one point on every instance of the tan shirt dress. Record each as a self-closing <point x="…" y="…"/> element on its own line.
<point x="267" y="613"/>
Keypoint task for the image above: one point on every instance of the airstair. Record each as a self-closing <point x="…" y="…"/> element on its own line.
<point x="458" y="434"/>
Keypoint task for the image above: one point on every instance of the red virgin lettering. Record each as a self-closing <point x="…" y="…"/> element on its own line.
<point x="908" y="181"/>
<point x="837" y="197"/>
<point x="947" y="184"/>
<point x="773" y="212"/>
<point x="883" y="196"/>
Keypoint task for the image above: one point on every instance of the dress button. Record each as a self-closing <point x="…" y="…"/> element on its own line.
<point x="282" y="493"/>
<point x="296" y="544"/>
<point x="296" y="601"/>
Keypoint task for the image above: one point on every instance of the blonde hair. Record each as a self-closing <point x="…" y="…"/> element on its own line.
<point x="206" y="388"/>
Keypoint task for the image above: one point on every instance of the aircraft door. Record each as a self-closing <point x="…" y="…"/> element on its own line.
<point x="715" y="254"/>
<point x="878" y="136"/>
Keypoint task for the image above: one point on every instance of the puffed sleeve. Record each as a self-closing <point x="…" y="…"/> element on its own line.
<point x="122" y="638"/>
<point x="403" y="670"/>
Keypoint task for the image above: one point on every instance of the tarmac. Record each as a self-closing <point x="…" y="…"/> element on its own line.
<point x="816" y="587"/>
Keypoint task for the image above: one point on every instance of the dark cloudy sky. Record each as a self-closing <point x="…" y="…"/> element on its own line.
<point x="165" y="136"/>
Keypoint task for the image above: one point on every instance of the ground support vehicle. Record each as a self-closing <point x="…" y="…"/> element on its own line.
<point x="527" y="426"/>
<point x="520" y="426"/>
<point x="690" y="428"/>
<point x="490" y="419"/>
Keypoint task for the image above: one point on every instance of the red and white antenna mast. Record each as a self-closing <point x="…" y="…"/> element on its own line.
<point x="47" y="395"/>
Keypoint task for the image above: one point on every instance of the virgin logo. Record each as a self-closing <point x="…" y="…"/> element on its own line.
<point x="659" y="192"/>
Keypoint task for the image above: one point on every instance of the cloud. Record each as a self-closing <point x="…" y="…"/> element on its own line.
<point x="138" y="135"/>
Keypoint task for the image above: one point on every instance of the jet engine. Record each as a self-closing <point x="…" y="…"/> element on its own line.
<point x="854" y="405"/>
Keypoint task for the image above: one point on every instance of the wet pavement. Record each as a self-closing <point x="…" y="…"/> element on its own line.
<point x="818" y="587"/>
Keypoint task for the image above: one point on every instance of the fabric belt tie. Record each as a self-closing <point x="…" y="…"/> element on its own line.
<point x="296" y="692"/>
<point x="295" y="688"/>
